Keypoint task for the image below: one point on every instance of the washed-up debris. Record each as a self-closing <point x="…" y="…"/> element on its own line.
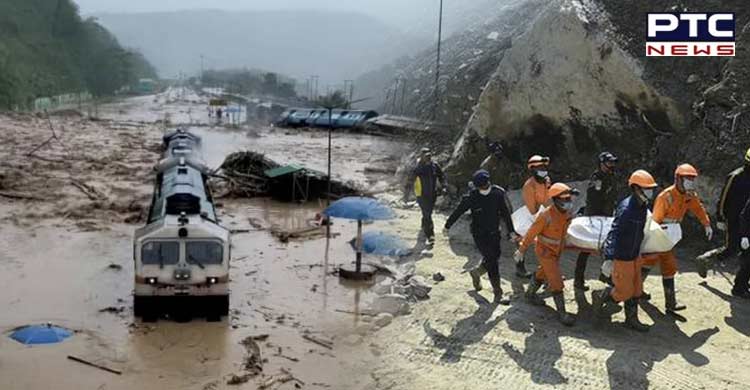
<point x="250" y="174"/>
<point x="438" y="277"/>
<point x="253" y="363"/>
<point x="19" y="196"/>
<point x="394" y="304"/>
<point x="383" y="320"/>
<point x="315" y="340"/>
<point x="239" y="379"/>
<point x="99" y="366"/>
<point x="112" y="309"/>
<point x="116" y="267"/>
<point x="304" y="233"/>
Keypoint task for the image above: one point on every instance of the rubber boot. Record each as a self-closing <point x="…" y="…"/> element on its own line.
<point x="645" y="297"/>
<point x="670" y="298"/>
<point x="531" y="292"/>
<point x="603" y="304"/>
<point x="631" y="316"/>
<point x="563" y="316"/>
<point x="498" y="293"/>
<point x="521" y="271"/>
<point x="580" y="272"/>
<point x="476" y="280"/>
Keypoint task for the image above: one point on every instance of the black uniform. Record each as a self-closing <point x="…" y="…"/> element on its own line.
<point x="486" y="213"/>
<point x="742" y="279"/>
<point x="734" y="196"/>
<point x="601" y="194"/>
<point x="601" y="199"/>
<point x="429" y="174"/>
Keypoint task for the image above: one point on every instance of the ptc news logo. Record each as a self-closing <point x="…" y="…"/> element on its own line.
<point x="690" y="34"/>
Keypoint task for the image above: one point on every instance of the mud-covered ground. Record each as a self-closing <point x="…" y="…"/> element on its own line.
<point x="457" y="339"/>
<point x="67" y="214"/>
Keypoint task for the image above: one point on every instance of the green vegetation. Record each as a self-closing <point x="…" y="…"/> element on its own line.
<point x="46" y="49"/>
<point x="250" y="82"/>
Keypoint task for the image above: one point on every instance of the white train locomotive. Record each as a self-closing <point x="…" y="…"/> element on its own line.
<point x="182" y="254"/>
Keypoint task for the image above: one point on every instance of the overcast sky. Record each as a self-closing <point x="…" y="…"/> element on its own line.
<point x="394" y="11"/>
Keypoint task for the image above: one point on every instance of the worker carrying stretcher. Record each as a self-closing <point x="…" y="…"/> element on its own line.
<point x="670" y="206"/>
<point x="548" y="234"/>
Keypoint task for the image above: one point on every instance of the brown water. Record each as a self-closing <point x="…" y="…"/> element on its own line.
<point x="65" y="258"/>
<point x="283" y="290"/>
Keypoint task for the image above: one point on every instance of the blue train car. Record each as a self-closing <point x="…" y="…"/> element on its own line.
<point x="319" y="117"/>
<point x="296" y="117"/>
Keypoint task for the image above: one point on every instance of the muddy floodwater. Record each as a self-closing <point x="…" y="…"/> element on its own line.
<point x="66" y="258"/>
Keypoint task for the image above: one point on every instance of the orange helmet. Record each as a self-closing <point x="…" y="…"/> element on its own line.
<point x="686" y="170"/>
<point x="537" y="161"/>
<point x="561" y="190"/>
<point x="642" y="179"/>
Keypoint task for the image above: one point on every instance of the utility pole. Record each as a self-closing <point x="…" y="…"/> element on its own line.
<point x="202" y="60"/>
<point x="403" y="95"/>
<point x="315" y="80"/>
<point x="437" y="64"/>
<point x="349" y="91"/>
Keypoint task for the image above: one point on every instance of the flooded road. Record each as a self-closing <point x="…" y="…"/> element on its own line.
<point x="74" y="269"/>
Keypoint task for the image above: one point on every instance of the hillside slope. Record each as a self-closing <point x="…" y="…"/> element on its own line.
<point x="47" y="49"/>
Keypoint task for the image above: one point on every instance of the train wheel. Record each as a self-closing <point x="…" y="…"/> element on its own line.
<point x="138" y="306"/>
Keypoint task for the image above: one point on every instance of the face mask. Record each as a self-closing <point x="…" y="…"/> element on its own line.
<point x="567" y="206"/>
<point x="541" y="174"/>
<point x="486" y="191"/>
<point x="648" y="193"/>
<point x="688" y="185"/>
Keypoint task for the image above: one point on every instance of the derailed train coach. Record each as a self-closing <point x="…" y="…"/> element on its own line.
<point x="339" y="118"/>
<point x="182" y="254"/>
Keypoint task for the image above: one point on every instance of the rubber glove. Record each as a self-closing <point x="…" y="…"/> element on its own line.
<point x="518" y="256"/>
<point x="709" y="233"/>
<point x="721" y="226"/>
<point x="745" y="243"/>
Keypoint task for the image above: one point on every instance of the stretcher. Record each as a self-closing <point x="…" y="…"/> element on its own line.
<point x="588" y="234"/>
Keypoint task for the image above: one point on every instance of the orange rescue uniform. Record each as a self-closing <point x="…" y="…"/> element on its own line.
<point x="535" y="194"/>
<point x="626" y="276"/>
<point x="670" y="207"/>
<point x="548" y="232"/>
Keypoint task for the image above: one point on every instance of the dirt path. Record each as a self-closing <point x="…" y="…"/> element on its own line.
<point x="456" y="339"/>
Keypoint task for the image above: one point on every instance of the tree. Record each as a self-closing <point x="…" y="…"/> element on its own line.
<point x="336" y="99"/>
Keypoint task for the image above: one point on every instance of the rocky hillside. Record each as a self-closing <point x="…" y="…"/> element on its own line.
<point x="569" y="78"/>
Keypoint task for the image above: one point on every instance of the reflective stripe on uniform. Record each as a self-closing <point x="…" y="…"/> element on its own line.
<point x="547" y="240"/>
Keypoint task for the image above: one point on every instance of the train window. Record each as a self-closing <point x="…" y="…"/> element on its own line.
<point x="204" y="252"/>
<point x="160" y="252"/>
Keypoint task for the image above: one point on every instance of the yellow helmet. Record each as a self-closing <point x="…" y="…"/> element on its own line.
<point x="747" y="156"/>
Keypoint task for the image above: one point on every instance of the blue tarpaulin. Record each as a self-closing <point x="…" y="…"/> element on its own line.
<point x="359" y="208"/>
<point x="384" y="244"/>
<point x="40" y="334"/>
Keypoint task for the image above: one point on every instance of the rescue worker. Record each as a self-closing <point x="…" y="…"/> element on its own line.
<point x="742" y="279"/>
<point x="488" y="206"/>
<point x="670" y="206"/>
<point x="548" y="233"/>
<point x="535" y="195"/>
<point x="623" y="246"/>
<point x="425" y="177"/>
<point x="601" y="199"/>
<point x="733" y="199"/>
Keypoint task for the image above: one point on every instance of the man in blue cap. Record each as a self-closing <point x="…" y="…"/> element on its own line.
<point x="488" y="205"/>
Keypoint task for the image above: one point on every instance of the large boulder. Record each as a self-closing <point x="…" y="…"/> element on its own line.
<point x="567" y="89"/>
